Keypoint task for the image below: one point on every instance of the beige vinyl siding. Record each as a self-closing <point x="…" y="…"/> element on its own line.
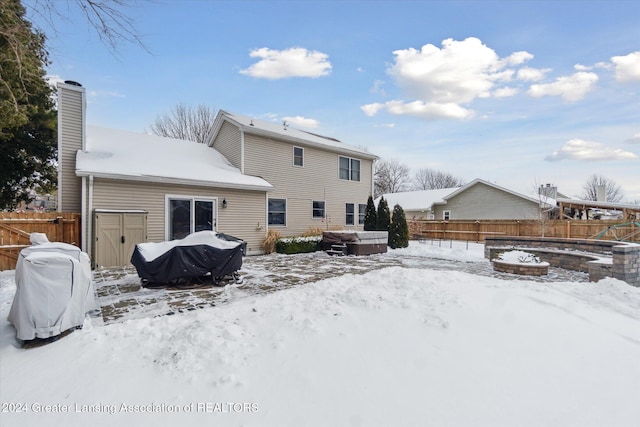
<point x="484" y="202"/>
<point x="316" y="180"/>
<point x="70" y="141"/>
<point x="244" y="216"/>
<point x="229" y="143"/>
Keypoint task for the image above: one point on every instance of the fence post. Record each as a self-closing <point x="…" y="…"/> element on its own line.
<point x="59" y="221"/>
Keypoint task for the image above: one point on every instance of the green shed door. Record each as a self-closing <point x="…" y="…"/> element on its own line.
<point x="116" y="235"/>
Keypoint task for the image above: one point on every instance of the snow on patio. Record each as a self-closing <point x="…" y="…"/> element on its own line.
<point x="427" y="335"/>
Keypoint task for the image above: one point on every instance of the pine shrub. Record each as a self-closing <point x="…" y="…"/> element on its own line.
<point x="370" y="215"/>
<point x="383" y="216"/>
<point x="398" y="229"/>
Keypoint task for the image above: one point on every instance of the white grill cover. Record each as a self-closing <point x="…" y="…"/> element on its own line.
<point x="53" y="290"/>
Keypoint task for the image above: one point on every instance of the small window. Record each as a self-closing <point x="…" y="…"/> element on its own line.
<point x="277" y="212"/>
<point x="446" y="215"/>
<point x="362" y="210"/>
<point x="349" y="169"/>
<point x="298" y="156"/>
<point x="349" y="214"/>
<point x="318" y="209"/>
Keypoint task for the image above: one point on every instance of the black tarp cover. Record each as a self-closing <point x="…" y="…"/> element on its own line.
<point x="194" y="256"/>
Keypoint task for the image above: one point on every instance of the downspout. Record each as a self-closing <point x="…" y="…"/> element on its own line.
<point x="242" y="151"/>
<point x="84" y="217"/>
<point x="372" y="176"/>
<point x="90" y="217"/>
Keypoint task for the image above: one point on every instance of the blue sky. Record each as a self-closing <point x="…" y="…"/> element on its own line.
<point x="514" y="92"/>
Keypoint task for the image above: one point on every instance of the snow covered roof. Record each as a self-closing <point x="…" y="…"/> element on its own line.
<point x="119" y="154"/>
<point x="288" y="133"/>
<point x="417" y="200"/>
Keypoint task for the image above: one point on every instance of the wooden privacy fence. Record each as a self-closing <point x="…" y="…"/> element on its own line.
<point x="15" y="228"/>
<point x="477" y="230"/>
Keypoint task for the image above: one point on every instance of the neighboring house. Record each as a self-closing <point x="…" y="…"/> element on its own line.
<point x="417" y="204"/>
<point x="318" y="182"/>
<point x="478" y="199"/>
<point x="132" y="187"/>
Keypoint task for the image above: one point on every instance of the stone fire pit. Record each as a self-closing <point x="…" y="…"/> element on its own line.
<point x="520" y="262"/>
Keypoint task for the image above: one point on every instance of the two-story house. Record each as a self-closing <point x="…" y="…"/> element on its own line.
<point x="251" y="177"/>
<point x="318" y="182"/>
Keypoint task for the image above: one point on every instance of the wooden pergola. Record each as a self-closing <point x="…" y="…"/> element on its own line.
<point x="629" y="212"/>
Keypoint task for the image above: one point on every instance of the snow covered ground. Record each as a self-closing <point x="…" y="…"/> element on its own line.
<point x="400" y="346"/>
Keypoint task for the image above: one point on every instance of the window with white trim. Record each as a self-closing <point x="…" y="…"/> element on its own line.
<point x="349" y="214"/>
<point x="187" y="215"/>
<point x="446" y="215"/>
<point x="362" y="211"/>
<point x="349" y="169"/>
<point x="277" y="212"/>
<point x="318" y="209"/>
<point x="298" y="156"/>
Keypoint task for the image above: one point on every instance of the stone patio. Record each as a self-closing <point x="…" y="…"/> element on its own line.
<point x="121" y="297"/>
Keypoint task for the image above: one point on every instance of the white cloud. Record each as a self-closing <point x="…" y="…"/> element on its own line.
<point x="299" y="121"/>
<point x="504" y="92"/>
<point x="372" y="109"/>
<point x="579" y="149"/>
<point x="635" y="139"/>
<point x="292" y="62"/>
<point x="627" y="67"/>
<point x="528" y="74"/>
<point x="570" y="88"/>
<point x="442" y="80"/>
<point x="518" y="58"/>
<point x="459" y="72"/>
<point x="377" y="88"/>
<point x="385" y="125"/>
<point x="428" y="110"/>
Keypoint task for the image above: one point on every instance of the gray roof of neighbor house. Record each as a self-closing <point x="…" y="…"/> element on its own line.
<point x="287" y="133"/>
<point x="119" y="154"/>
<point x="425" y="199"/>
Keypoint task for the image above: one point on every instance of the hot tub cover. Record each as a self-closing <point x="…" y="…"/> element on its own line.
<point x="53" y="290"/>
<point x="196" y="255"/>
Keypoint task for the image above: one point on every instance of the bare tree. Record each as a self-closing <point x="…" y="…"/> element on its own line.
<point x="613" y="192"/>
<point x="107" y="18"/>
<point x="185" y="122"/>
<point x="431" y="179"/>
<point x="390" y="176"/>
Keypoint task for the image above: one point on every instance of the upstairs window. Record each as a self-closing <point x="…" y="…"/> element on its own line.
<point x="446" y="215"/>
<point x="349" y="169"/>
<point x="298" y="156"/>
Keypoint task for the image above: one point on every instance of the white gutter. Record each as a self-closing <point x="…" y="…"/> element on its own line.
<point x="167" y="180"/>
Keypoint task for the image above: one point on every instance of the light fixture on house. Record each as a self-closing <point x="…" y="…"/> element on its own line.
<point x="224" y="203"/>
